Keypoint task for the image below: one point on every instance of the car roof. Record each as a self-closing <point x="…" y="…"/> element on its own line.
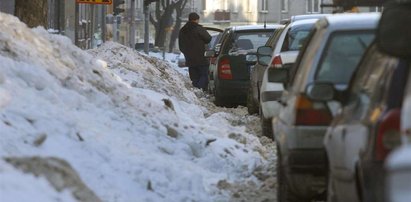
<point x="256" y="27"/>
<point x="309" y="16"/>
<point x="303" y="22"/>
<point x="350" y="20"/>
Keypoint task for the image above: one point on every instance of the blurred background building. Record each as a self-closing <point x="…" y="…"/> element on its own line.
<point x="123" y="20"/>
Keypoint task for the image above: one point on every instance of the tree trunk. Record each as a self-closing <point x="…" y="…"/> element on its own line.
<point x="174" y="35"/>
<point x="33" y="12"/>
<point x="163" y="23"/>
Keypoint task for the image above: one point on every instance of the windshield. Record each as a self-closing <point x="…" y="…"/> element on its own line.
<point x="342" y="54"/>
<point x="251" y="40"/>
<point x="295" y="37"/>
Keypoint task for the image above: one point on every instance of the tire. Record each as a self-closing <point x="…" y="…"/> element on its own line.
<point x="283" y="192"/>
<point x="252" y="106"/>
<point x="218" y="101"/>
<point x="331" y="197"/>
<point x="266" y="126"/>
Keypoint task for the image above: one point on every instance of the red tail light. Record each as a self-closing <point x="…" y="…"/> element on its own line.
<point x="224" y="69"/>
<point x="277" y="62"/>
<point x="388" y="134"/>
<point x="310" y="113"/>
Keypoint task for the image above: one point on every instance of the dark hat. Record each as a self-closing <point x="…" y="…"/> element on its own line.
<point x="193" y="16"/>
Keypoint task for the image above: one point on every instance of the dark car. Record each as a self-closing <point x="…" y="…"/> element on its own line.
<point x="229" y="74"/>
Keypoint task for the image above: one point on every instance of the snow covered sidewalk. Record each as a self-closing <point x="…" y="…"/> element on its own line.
<point x="131" y="127"/>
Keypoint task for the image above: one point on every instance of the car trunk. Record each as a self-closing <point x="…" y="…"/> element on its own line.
<point x="239" y="68"/>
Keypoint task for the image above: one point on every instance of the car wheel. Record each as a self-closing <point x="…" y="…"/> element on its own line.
<point x="218" y="98"/>
<point x="283" y="192"/>
<point x="251" y="104"/>
<point x="266" y="126"/>
<point x="331" y="197"/>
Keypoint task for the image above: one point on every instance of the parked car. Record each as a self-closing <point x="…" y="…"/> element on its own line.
<point x="253" y="101"/>
<point x="140" y="46"/>
<point x="398" y="181"/>
<point x="229" y="75"/>
<point x="366" y="128"/>
<point x="215" y="37"/>
<point x="398" y="44"/>
<point x="331" y="54"/>
<point x="256" y="75"/>
<point x="283" y="55"/>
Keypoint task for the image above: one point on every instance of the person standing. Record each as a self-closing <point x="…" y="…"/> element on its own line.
<point x="192" y="40"/>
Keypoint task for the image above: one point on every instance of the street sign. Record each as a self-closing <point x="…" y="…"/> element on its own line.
<point x="94" y="1"/>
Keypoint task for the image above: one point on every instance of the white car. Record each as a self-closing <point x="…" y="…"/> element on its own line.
<point x="398" y="181"/>
<point x="284" y="55"/>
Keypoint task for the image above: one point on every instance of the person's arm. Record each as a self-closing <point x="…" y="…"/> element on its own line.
<point x="204" y="35"/>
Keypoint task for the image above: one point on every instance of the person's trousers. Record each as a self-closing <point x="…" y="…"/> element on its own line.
<point x="199" y="76"/>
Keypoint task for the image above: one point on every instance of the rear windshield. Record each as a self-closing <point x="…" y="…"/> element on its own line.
<point x="342" y="54"/>
<point x="296" y="37"/>
<point x="251" y="40"/>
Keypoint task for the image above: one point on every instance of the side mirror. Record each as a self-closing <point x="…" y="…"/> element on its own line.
<point x="277" y="75"/>
<point x="209" y="54"/>
<point x="393" y="33"/>
<point x="251" y="58"/>
<point x="321" y="91"/>
<point x="264" y="55"/>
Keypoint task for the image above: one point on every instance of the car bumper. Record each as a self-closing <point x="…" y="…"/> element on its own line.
<point x="313" y="161"/>
<point x="233" y="90"/>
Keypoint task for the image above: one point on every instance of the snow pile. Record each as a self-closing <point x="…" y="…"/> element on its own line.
<point x="133" y="131"/>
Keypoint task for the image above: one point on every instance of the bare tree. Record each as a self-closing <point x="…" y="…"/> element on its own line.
<point x="174" y="35"/>
<point x="163" y="19"/>
<point x="33" y="12"/>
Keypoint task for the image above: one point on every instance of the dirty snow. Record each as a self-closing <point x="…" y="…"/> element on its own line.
<point x="130" y="125"/>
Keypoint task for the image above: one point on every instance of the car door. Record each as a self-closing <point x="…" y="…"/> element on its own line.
<point x="347" y="139"/>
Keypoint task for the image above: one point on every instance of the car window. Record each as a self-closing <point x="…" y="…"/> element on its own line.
<point x="296" y="37"/>
<point x="370" y="79"/>
<point x="214" y="40"/>
<point x="250" y="40"/>
<point x="274" y="38"/>
<point x="305" y="56"/>
<point x="342" y="55"/>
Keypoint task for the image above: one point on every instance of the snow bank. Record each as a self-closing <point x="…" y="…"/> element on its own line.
<point x="134" y="130"/>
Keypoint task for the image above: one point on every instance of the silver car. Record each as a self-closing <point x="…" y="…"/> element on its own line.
<point x="331" y="54"/>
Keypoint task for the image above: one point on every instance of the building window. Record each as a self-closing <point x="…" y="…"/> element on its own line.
<point x="313" y="6"/>
<point x="264" y="5"/>
<point x="284" y="6"/>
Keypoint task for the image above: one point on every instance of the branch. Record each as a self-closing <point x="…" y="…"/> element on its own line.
<point x="154" y="22"/>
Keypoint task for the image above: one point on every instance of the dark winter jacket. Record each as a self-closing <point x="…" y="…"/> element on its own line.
<point x="192" y="40"/>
